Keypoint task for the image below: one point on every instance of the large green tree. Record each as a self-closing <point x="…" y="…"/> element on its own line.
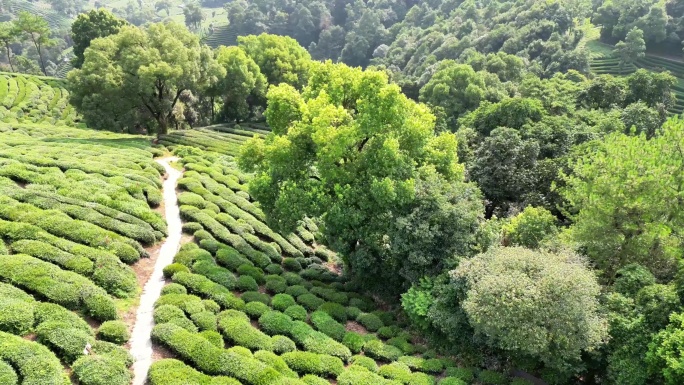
<point x="89" y="26"/>
<point x="136" y="77"/>
<point x="632" y="48"/>
<point x="243" y="86"/>
<point x="533" y="304"/>
<point x="626" y="193"/>
<point x="355" y="152"/>
<point x="37" y="30"/>
<point x="8" y="35"/>
<point x="280" y="58"/>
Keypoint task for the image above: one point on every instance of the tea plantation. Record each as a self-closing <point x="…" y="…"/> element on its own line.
<point x="34" y="99"/>
<point x="246" y="305"/>
<point x="76" y="211"/>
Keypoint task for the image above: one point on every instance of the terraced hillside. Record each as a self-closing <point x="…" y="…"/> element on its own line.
<point x="35" y="99"/>
<point x="602" y="62"/>
<point x="246" y="305"/>
<point x="56" y="20"/>
<point x="222" y="35"/>
<point x="76" y="213"/>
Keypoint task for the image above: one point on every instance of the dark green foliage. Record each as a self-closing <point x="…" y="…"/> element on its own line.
<point x="335" y="310"/>
<point x="246" y="283"/>
<point x="174" y="372"/>
<point x="275" y="284"/>
<point x="297" y="312"/>
<point x="403" y="344"/>
<point x="231" y="258"/>
<point x="255" y="309"/>
<point x="452" y="381"/>
<point x="296" y="290"/>
<point x="387" y="332"/>
<point x="294" y="279"/>
<point x="353" y="312"/>
<point x="317" y="342"/>
<point x="253" y="272"/>
<point x="282" y="301"/>
<point x="291" y="264"/>
<point x="240" y="332"/>
<point x="370" y="321"/>
<point x="255" y="296"/>
<point x="311" y="363"/>
<point x="67" y="342"/>
<point x="215" y="273"/>
<point x="380" y="351"/>
<point x="490" y="377"/>
<point x="275" y="322"/>
<point x="199" y="284"/>
<point x="113" y="331"/>
<point x="191" y="227"/>
<point x="632" y="278"/>
<point x="310" y="301"/>
<point x="273" y="269"/>
<point x="324" y="323"/>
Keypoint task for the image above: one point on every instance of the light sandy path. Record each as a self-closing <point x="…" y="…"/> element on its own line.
<point x="141" y="343"/>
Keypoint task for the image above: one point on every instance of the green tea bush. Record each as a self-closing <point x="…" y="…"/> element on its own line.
<point x="452" y="381"/>
<point x="204" y="320"/>
<point x="292" y="264"/>
<point x="211" y="305"/>
<point x="282" y="301"/>
<point x="101" y="370"/>
<point x="191" y="227"/>
<point x="353" y="341"/>
<point x="370" y="321"/>
<point x="297" y="312"/>
<point x="16" y="316"/>
<point x="490" y="377"/>
<point x="275" y="322"/>
<point x="174" y="288"/>
<point x="7" y="374"/>
<point x="49" y="253"/>
<point x="402" y="344"/>
<point x="255" y="309"/>
<point x="365" y="362"/>
<point x="294" y="279"/>
<point x="246" y="283"/>
<point x="310" y="379"/>
<point x="387" y="332"/>
<point x="62" y="287"/>
<point x="215" y="273"/>
<point x="199" y="284"/>
<point x="273" y="269"/>
<point x="396" y="371"/>
<point x="242" y="333"/>
<point x="190" y="253"/>
<point x="67" y="342"/>
<point x="296" y="290"/>
<point x="190" y="304"/>
<point x="386" y="317"/>
<point x="353" y="312"/>
<point x="277" y="363"/>
<point x="253" y="272"/>
<point x="174" y="372"/>
<point x="255" y="296"/>
<point x="421" y="379"/>
<point x="275" y="284"/>
<point x="356" y="375"/>
<point x="380" y="351"/>
<point x="310" y="301"/>
<point x="113" y="331"/>
<point x="312" y="363"/>
<point x="174" y="268"/>
<point x="34" y="363"/>
<point x="335" y="310"/>
<point x="115" y="277"/>
<point x="50" y="312"/>
<point x="282" y="344"/>
<point x="231" y="258"/>
<point x="327" y="325"/>
<point x="317" y="342"/>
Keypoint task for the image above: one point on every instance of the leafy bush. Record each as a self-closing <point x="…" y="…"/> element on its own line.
<point x="275" y="322"/>
<point x="354" y="341"/>
<point x="294" y="279"/>
<point x="256" y="309"/>
<point x="312" y="363"/>
<point x="292" y="264"/>
<point x="255" y="296"/>
<point x="101" y="370"/>
<point x="530" y="227"/>
<point x="317" y="342"/>
<point x="310" y="301"/>
<point x="200" y="284"/>
<point x="282" y="344"/>
<point x="242" y="333"/>
<point x="231" y="258"/>
<point x="214" y="337"/>
<point x="272" y="360"/>
<point x="115" y="277"/>
<point x="7" y="374"/>
<point x="273" y="269"/>
<point x="215" y="273"/>
<point x="174" y="372"/>
<point x="365" y="362"/>
<point x="204" y="320"/>
<point x="396" y="371"/>
<point x="113" y="331"/>
<point x="253" y="272"/>
<point x="370" y="321"/>
<point x="174" y="288"/>
<point x="297" y="312"/>
<point x="402" y="344"/>
<point x="380" y="351"/>
<point x="35" y="364"/>
<point x="357" y="375"/>
<point x="190" y="304"/>
<point x="327" y="325"/>
<point x="174" y="268"/>
<point x="275" y="284"/>
<point x="211" y="305"/>
<point x="246" y="283"/>
<point x="452" y="381"/>
<point x="16" y="316"/>
<point x="353" y="312"/>
<point x="387" y="332"/>
<point x="490" y="377"/>
<point x="310" y="379"/>
<point x="335" y="310"/>
<point x="296" y="290"/>
<point x="191" y="227"/>
<point x="282" y="301"/>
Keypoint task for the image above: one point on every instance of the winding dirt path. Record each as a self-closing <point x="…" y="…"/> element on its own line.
<point x="141" y="343"/>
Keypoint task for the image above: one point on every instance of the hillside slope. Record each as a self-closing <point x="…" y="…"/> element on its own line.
<point x="35" y="99"/>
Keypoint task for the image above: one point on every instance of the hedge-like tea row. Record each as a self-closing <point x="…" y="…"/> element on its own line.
<point x="216" y="361"/>
<point x="174" y="372"/>
<point x="66" y="288"/>
<point x="34" y="363"/>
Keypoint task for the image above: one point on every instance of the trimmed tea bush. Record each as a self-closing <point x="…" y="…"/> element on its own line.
<point x="282" y="301"/>
<point x="275" y="322"/>
<point x="380" y="351"/>
<point x="282" y="344"/>
<point x="255" y="309"/>
<point x="370" y="321"/>
<point x="101" y="370"/>
<point x="113" y="331"/>
<point x="354" y="341"/>
<point x="312" y="363"/>
<point x="327" y="325"/>
<point x="297" y="312"/>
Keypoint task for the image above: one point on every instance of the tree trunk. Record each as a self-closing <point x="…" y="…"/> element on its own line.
<point x="9" y="57"/>
<point x="40" y="55"/>
<point x="163" y="128"/>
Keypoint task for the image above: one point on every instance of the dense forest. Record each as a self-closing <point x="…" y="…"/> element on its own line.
<point x="513" y="207"/>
